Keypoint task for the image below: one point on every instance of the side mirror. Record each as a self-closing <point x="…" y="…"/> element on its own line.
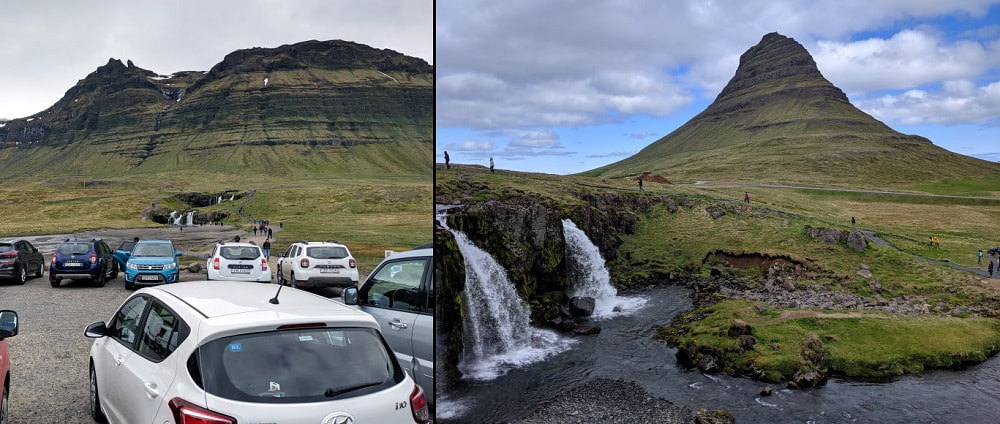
<point x="96" y="330"/>
<point x="178" y="253"/>
<point x="8" y="324"/>
<point x="350" y="296"/>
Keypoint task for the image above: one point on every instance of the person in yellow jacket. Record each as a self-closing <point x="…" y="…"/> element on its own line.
<point x="937" y="243"/>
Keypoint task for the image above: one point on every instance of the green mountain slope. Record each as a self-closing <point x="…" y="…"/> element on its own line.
<point x="308" y="109"/>
<point x="778" y="120"/>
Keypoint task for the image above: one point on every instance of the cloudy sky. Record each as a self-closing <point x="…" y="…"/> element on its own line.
<point x="47" y="46"/>
<point x="564" y="86"/>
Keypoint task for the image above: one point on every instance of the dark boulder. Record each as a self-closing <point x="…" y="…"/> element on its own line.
<point x="746" y="342"/>
<point x="581" y="306"/>
<point x="856" y="241"/>
<point x="704" y="416"/>
<point x="739" y="328"/>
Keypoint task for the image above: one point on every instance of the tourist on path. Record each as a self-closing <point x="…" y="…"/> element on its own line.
<point x="937" y="243"/>
<point x="746" y="197"/>
<point x="979" y="257"/>
<point x="640" y="183"/>
<point x="491" y="165"/>
<point x="447" y="160"/>
<point x="990" y="268"/>
<point x="267" y="249"/>
<point x="852" y="223"/>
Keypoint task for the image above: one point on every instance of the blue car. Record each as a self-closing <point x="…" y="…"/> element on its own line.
<point x="123" y="252"/>
<point x="83" y="259"/>
<point x="152" y="262"/>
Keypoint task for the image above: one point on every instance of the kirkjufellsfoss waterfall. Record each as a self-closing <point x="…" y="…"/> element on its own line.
<point x="498" y="335"/>
<point x="590" y="277"/>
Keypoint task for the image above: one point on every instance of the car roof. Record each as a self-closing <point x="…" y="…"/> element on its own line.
<point x="153" y="241"/>
<point x="415" y="253"/>
<point x="248" y="302"/>
<point x="240" y="244"/>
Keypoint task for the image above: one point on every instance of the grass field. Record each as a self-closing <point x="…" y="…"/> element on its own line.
<point x="369" y="215"/>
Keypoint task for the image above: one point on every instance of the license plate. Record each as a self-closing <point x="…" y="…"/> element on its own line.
<point x="239" y="271"/>
<point x="74" y="263"/>
<point x="149" y="277"/>
<point x="329" y="271"/>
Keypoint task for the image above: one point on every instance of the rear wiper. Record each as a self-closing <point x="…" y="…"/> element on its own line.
<point x="332" y="393"/>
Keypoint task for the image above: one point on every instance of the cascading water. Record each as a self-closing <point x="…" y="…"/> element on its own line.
<point x="190" y="218"/>
<point x="219" y="201"/>
<point x="590" y="277"/>
<point x="496" y="327"/>
<point x="175" y="217"/>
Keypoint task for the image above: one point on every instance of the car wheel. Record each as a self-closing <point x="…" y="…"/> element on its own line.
<point x="101" y="278"/>
<point x="22" y="275"/>
<point x="129" y="285"/>
<point x="4" y="405"/>
<point x="54" y="281"/>
<point x="95" y="398"/>
<point x="41" y="270"/>
<point x="114" y="270"/>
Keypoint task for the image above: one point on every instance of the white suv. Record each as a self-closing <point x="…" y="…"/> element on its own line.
<point x="317" y="264"/>
<point x="230" y="351"/>
<point x="238" y="262"/>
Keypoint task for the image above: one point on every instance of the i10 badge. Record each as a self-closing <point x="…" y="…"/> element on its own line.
<point x="338" y="418"/>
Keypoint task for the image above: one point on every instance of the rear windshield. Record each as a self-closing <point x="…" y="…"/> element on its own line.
<point x="6" y="247"/>
<point x="235" y="252"/>
<point x="292" y="366"/>
<point x="152" y="249"/>
<point x="327" y="252"/>
<point x="74" y="248"/>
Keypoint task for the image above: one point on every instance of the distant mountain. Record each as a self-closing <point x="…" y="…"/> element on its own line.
<point x="778" y="120"/>
<point x="311" y="108"/>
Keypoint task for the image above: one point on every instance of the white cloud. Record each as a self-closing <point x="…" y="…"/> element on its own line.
<point x="957" y="102"/>
<point x="471" y="146"/>
<point x="910" y="58"/>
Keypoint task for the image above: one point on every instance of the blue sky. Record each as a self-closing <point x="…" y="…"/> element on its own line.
<point x="565" y="86"/>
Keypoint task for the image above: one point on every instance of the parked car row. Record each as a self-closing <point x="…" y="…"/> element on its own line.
<point x="176" y="353"/>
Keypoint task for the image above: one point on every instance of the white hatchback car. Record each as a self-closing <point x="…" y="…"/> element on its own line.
<point x="228" y="352"/>
<point x="238" y="262"/>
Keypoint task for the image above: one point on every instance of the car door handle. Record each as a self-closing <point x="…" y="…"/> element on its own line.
<point x="119" y="360"/>
<point x="151" y="389"/>
<point x="397" y="324"/>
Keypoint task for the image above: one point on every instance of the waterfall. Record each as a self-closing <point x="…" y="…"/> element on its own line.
<point x="591" y="278"/>
<point x="190" y="219"/>
<point x="497" y="332"/>
<point x="220" y="200"/>
<point x="175" y="217"/>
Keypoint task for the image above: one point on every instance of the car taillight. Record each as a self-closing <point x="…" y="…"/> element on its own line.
<point x="8" y="255"/>
<point x="352" y="263"/>
<point x="263" y="264"/>
<point x="54" y="258"/>
<point x="215" y="264"/>
<point x="188" y="413"/>
<point x="93" y="258"/>
<point x="419" y="405"/>
<point x="304" y="263"/>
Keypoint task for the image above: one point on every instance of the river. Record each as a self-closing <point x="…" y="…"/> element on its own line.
<point x="626" y="350"/>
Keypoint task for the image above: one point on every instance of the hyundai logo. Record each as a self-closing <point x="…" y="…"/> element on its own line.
<point x="338" y="418"/>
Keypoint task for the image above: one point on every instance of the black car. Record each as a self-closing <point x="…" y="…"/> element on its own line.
<point x="83" y="260"/>
<point x="18" y="258"/>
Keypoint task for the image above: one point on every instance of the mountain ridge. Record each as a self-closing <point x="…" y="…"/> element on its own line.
<point x="778" y="113"/>
<point x="326" y="107"/>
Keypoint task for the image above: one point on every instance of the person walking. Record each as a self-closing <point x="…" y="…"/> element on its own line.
<point x="990" y="268"/>
<point x="852" y="223"/>
<point x="979" y="258"/>
<point x="937" y="243"/>
<point x="746" y="197"/>
<point x="267" y="249"/>
<point x="447" y="160"/>
<point x="640" y="183"/>
<point x="491" y="165"/>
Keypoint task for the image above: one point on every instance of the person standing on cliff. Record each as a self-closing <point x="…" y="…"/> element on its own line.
<point x="491" y="165"/>
<point x="447" y="160"/>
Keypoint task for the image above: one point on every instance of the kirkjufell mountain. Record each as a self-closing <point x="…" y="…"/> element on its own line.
<point x="778" y="120"/>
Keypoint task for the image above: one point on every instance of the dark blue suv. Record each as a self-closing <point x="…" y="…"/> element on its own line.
<point x="83" y="259"/>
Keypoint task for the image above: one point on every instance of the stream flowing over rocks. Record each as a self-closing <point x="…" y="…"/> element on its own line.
<point x="603" y="400"/>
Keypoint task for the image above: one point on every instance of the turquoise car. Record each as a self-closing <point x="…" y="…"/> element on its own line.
<point x="152" y="262"/>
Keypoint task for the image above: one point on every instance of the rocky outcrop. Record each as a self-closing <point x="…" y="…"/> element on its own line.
<point x="581" y="306"/>
<point x="812" y="363"/>
<point x="853" y="239"/>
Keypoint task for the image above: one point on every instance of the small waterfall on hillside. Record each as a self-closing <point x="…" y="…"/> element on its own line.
<point x="590" y="277"/>
<point x="175" y="217"/>
<point x="190" y="219"/>
<point x="219" y="201"/>
<point x="498" y="335"/>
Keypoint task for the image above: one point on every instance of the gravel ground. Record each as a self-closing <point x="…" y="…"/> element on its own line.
<point x="609" y="401"/>
<point x="49" y="356"/>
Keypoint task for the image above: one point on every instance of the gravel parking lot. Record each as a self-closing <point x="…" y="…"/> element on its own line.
<point x="49" y="381"/>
